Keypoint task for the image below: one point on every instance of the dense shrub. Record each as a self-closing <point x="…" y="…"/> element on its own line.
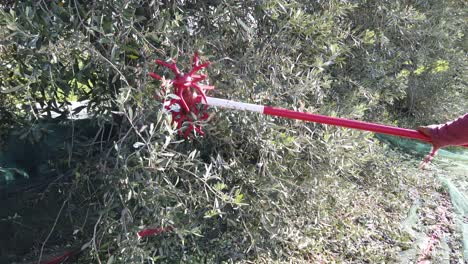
<point x="254" y="188"/>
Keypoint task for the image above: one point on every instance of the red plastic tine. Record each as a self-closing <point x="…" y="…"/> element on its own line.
<point x="172" y="66"/>
<point x="155" y="76"/>
<point x="199" y="89"/>
<point x="199" y="67"/>
<point x="196" y="60"/>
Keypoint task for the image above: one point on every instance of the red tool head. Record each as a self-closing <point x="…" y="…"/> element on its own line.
<point x="187" y="108"/>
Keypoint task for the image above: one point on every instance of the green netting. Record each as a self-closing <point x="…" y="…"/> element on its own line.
<point x="22" y="160"/>
<point x="452" y="169"/>
<point x="39" y="150"/>
<point x="31" y="158"/>
<point x="10" y="175"/>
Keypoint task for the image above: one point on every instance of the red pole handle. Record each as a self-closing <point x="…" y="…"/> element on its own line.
<point x="383" y="129"/>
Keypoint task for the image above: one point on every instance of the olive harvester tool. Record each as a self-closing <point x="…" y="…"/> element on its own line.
<point x="191" y="106"/>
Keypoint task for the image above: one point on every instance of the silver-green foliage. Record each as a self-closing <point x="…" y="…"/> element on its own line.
<point x="254" y="188"/>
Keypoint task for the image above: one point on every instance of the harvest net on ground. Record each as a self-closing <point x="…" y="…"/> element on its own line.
<point x="451" y="170"/>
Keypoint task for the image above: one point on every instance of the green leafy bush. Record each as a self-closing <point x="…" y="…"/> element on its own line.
<point x="255" y="188"/>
